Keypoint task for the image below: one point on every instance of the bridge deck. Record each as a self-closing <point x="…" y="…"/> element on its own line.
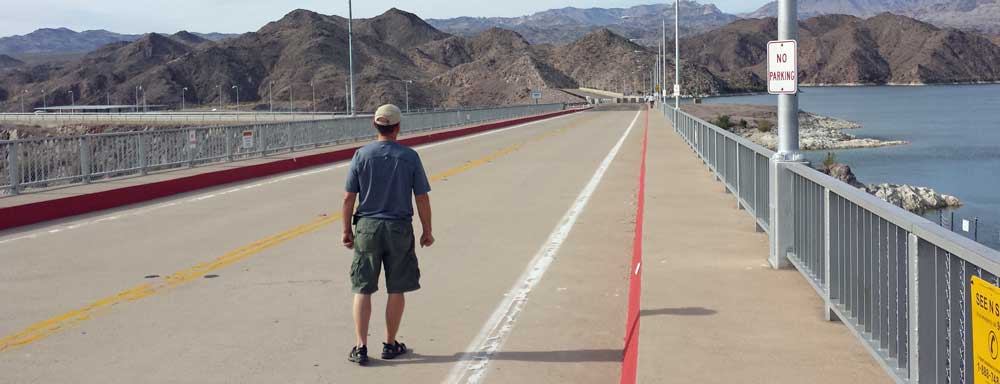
<point x="248" y="283"/>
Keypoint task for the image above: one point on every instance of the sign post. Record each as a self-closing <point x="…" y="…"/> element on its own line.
<point x="536" y="95"/>
<point x="782" y="69"/>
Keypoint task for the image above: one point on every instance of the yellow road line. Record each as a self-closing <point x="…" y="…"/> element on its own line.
<point x="62" y="322"/>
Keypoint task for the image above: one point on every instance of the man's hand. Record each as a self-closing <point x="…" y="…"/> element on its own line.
<point x="426" y="240"/>
<point x="349" y="240"/>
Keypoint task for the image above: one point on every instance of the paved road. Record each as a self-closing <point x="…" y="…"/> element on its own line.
<point x="248" y="283"/>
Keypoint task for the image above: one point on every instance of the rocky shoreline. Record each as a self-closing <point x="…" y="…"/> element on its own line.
<point x="816" y="132"/>
<point x="911" y="198"/>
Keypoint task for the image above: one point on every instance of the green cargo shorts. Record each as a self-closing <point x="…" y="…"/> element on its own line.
<point x="388" y="243"/>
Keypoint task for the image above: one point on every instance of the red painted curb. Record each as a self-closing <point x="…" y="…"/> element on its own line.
<point x="22" y="215"/>
<point x="630" y="359"/>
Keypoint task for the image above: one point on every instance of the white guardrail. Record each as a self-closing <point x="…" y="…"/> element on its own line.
<point x="33" y="164"/>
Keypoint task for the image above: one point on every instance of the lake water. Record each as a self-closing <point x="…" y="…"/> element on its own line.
<point x="954" y="135"/>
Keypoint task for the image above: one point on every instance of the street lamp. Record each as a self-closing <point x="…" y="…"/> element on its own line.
<point x="220" y="96"/>
<point x="183" y="91"/>
<point x="44" y="103"/>
<point x="291" y="98"/>
<point x="72" y="101"/>
<point x="406" y="88"/>
<point x="270" y="97"/>
<point x="350" y="49"/>
<point x="237" y="88"/>
<point x="23" y="95"/>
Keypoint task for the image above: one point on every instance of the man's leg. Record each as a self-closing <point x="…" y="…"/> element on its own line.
<point x="362" y="315"/>
<point x="393" y="316"/>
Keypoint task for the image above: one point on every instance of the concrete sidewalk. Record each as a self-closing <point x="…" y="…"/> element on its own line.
<point x="712" y="310"/>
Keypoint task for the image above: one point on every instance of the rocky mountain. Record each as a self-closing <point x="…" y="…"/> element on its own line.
<point x="840" y="49"/>
<point x="9" y="62"/>
<point x="64" y="41"/>
<point x="302" y="50"/>
<point x="563" y="26"/>
<point x="975" y="15"/>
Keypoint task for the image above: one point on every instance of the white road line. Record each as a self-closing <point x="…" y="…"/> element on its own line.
<point x="212" y="195"/>
<point x="471" y="368"/>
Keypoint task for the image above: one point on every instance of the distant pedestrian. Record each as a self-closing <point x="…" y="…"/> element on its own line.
<point x="387" y="176"/>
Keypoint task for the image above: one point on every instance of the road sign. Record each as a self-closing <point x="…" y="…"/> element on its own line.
<point x="193" y="138"/>
<point x="782" y="67"/>
<point x="677" y="89"/>
<point x="536" y="95"/>
<point x="247" y="139"/>
<point x="985" y="305"/>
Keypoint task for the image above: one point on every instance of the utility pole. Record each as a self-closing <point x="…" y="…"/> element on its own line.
<point x="781" y="199"/>
<point x="788" y="105"/>
<point x="677" y="53"/>
<point x="350" y="49"/>
<point x="237" y="88"/>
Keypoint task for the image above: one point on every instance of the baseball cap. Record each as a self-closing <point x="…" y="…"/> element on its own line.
<point x="388" y="115"/>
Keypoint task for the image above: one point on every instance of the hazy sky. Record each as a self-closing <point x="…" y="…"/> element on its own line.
<point x="237" y="16"/>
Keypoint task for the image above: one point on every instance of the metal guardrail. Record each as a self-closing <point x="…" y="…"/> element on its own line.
<point x="58" y="161"/>
<point x="166" y="117"/>
<point x="899" y="282"/>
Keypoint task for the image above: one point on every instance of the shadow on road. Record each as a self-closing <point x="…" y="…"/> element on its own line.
<point x="573" y="356"/>
<point x="687" y="311"/>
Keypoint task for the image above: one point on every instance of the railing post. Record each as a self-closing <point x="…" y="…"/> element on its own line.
<point x="828" y="275"/>
<point x="143" y="162"/>
<point x="229" y="143"/>
<point x="14" y="168"/>
<point x="913" y="304"/>
<point x="191" y="147"/>
<point x="85" y="168"/>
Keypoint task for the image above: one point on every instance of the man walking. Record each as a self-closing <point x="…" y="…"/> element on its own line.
<point x="384" y="174"/>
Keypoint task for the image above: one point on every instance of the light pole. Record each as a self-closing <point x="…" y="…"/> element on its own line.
<point x="72" y="101"/>
<point x="677" y="52"/>
<point x="23" y="95"/>
<point x="183" y="97"/>
<point x="406" y="90"/>
<point x="135" y="108"/>
<point x="350" y="49"/>
<point x="291" y="98"/>
<point x="788" y="105"/>
<point x="347" y="98"/>
<point x="237" y="88"/>
<point x="313" y="85"/>
<point x="220" y="96"/>
<point x="45" y="104"/>
<point x="270" y="97"/>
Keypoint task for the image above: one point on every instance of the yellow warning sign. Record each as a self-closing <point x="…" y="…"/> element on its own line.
<point x="985" y="328"/>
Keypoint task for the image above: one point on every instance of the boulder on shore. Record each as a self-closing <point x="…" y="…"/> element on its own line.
<point x="913" y="199"/>
<point x="908" y="197"/>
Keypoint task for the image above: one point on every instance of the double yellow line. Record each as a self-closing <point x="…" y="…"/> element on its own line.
<point x="69" y="319"/>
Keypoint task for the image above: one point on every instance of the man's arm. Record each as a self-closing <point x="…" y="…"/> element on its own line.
<point x="348" y="216"/>
<point x="424" y="210"/>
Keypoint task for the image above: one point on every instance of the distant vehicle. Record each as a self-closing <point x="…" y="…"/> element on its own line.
<point x="215" y="109"/>
<point x="39" y="112"/>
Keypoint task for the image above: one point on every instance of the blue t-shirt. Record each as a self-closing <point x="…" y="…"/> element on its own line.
<point x="386" y="175"/>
